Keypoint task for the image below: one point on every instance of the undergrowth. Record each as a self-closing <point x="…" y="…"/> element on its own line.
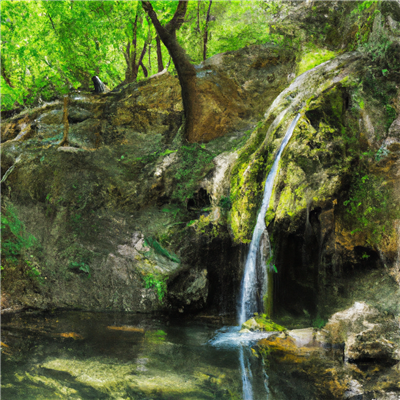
<point x="149" y="241"/>
<point x="195" y="163"/>
<point x="369" y="208"/>
<point x="16" y="242"/>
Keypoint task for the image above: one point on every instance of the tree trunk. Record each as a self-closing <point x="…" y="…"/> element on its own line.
<point x="146" y="74"/>
<point x="159" y="55"/>
<point x="206" y="32"/>
<point x="186" y="71"/>
<point x="132" y="69"/>
<point x="64" y="141"/>
<point x="4" y="74"/>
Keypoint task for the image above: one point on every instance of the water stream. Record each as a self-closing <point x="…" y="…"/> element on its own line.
<point x="255" y="268"/>
<point x="248" y="297"/>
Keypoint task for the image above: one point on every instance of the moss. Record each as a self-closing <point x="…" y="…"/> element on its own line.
<point x="320" y="152"/>
<point x="313" y="57"/>
<point x="247" y="178"/>
<point x="262" y="323"/>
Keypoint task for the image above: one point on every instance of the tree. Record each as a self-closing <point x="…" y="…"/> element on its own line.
<point x="192" y="102"/>
<point x="205" y="40"/>
<point x="50" y="47"/>
<point x="131" y="51"/>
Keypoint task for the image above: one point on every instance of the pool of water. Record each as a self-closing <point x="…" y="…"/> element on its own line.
<point x="82" y="355"/>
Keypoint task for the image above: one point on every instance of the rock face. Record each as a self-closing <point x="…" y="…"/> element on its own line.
<point x="127" y="180"/>
<point x="366" y="334"/>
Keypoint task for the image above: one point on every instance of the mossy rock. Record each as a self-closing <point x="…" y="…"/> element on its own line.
<point x="262" y="323"/>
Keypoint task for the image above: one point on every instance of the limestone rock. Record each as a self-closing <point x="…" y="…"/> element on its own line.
<point x="366" y="334"/>
<point x="189" y="291"/>
<point x="394" y="129"/>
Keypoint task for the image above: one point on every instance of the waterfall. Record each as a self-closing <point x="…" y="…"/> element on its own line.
<point x="248" y="296"/>
<point x="254" y="285"/>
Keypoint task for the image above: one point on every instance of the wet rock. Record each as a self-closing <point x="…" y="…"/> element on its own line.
<point x="189" y="290"/>
<point x="262" y="323"/>
<point x="69" y="149"/>
<point x="306" y="363"/>
<point x="53" y="117"/>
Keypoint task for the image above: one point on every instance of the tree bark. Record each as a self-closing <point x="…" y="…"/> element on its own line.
<point x="145" y="72"/>
<point x="4" y="74"/>
<point x="206" y="32"/>
<point x="130" y="55"/>
<point x="64" y="141"/>
<point x="186" y="71"/>
<point x="160" y="64"/>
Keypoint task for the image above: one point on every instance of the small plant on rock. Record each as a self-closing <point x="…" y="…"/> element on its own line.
<point x="159" y="284"/>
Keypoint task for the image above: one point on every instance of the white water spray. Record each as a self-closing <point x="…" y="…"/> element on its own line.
<point x="248" y="297"/>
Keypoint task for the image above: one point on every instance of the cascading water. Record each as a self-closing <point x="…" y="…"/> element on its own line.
<point x="248" y="297"/>
<point x="254" y="284"/>
<point x="249" y="286"/>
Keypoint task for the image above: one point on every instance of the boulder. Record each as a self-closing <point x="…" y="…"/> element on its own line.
<point x="366" y="334"/>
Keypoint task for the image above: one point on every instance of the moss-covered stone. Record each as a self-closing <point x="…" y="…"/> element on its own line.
<point x="262" y="323"/>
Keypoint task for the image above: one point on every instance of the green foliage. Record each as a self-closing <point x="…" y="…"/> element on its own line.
<point x="15" y="244"/>
<point x="15" y="239"/>
<point x="195" y="163"/>
<point x="376" y="85"/>
<point x="369" y="208"/>
<point x="157" y="337"/>
<point x="318" y="322"/>
<point x="80" y="266"/>
<point x="160" y="250"/>
<point x="204" y="226"/>
<point x="365" y="5"/>
<point x="34" y="272"/>
<point x="51" y="47"/>
<point x="159" y="284"/>
<point x="225" y="203"/>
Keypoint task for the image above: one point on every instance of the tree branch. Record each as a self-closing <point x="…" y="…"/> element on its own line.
<point x="179" y="17"/>
<point x="205" y="40"/>
<point x="51" y="20"/>
<point x="153" y="16"/>
<point x="142" y="54"/>
<point x="4" y="74"/>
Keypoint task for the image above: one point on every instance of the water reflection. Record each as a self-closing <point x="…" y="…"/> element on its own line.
<point x="81" y="355"/>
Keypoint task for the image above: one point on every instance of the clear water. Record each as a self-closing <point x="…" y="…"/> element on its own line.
<point x="75" y="355"/>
